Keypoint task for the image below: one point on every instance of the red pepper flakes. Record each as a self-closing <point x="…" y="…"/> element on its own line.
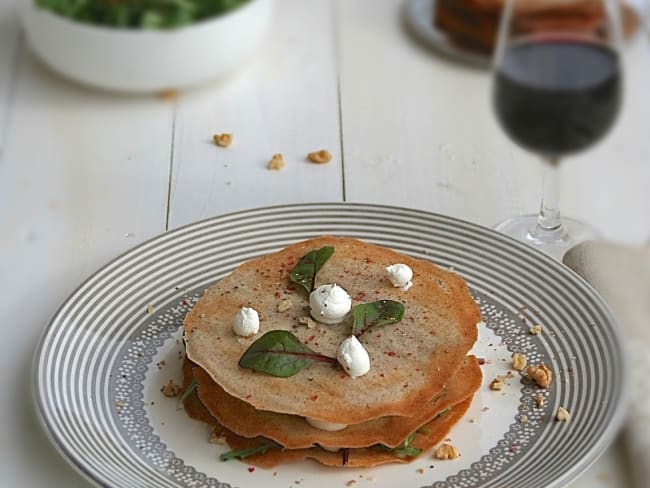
<point x="344" y="376"/>
<point x="382" y="375"/>
<point x="480" y="361"/>
<point x="291" y="288"/>
<point x="278" y="294"/>
<point x="311" y="338"/>
<point x="409" y="354"/>
<point x="313" y="398"/>
<point x="251" y="469"/>
<point x="391" y="353"/>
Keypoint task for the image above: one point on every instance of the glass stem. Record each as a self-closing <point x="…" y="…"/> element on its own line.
<point x="548" y="219"/>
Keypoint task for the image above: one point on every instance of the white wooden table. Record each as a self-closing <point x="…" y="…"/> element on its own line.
<point x="86" y="175"/>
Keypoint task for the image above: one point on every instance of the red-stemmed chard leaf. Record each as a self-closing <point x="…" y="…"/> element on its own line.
<point x="280" y="353"/>
<point x="304" y="273"/>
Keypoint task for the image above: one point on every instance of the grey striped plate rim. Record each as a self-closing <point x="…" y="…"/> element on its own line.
<point x="484" y="257"/>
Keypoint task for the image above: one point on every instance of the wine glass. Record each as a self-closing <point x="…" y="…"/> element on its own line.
<point x="557" y="89"/>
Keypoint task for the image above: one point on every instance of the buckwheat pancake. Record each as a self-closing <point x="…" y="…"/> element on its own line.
<point x="431" y="434"/>
<point x="411" y="361"/>
<point x="294" y="432"/>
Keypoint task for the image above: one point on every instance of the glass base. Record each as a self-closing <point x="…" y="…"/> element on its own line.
<point x="554" y="242"/>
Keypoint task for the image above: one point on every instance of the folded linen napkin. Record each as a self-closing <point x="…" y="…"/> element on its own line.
<point x="621" y="274"/>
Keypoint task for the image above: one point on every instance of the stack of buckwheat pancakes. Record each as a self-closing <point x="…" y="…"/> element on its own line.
<point x="419" y="383"/>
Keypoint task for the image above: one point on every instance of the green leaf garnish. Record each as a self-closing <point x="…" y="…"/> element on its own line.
<point x="280" y="353"/>
<point x="188" y="391"/>
<point x="405" y="449"/>
<point x="443" y="412"/>
<point x="304" y="273"/>
<point x="376" y="314"/>
<point x="249" y="451"/>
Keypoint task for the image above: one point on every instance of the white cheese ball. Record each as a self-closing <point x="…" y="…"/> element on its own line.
<point x="400" y="275"/>
<point x="246" y="322"/>
<point x="329" y="304"/>
<point x="353" y="357"/>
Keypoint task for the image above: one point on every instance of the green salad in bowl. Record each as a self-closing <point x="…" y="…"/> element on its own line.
<point x="142" y="46"/>
<point x="145" y="14"/>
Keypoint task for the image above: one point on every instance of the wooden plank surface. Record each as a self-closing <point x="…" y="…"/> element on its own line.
<point x="282" y="101"/>
<point x="83" y="178"/>
<point x="9" y="46"/>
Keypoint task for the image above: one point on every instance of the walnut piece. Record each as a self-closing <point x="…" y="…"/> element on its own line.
<point x="284" y="305"/>
<point x="217" y="436"/>
<point x="308" y="321"/>
<point x="168" y="95"/>
<point x="446" y="451"/>
<point x="497" y="384"/>
<point x="539" y="400"/>
<point x="171" y="389"/>
<point x="222" y="140"/>
<point x="541" y="374"/>
<point x="319" y="157"/>
<point x="562" y="414"/>
<point x="519" y="361"/>
<point x="535" y="330"/>
<point x="276" y="163"/>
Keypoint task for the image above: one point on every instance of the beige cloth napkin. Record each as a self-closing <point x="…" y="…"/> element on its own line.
<point x="621" y="274"/>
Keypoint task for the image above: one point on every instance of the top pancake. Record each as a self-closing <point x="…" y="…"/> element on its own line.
<point x="410" y="361"/>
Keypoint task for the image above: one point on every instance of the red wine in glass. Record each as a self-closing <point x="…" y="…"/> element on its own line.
<point x="557" y="90"/>
<point x="557" y="95"/>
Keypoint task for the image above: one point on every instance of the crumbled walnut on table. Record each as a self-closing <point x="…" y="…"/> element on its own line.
<point x="539" y="400"/>
<point x="523" y="419"/>
<point x="446" y="451"/>
<point x="541" y="374"/>
<point x="519" y="361"/>
<point x="497" y="384"/>
<point x="535" y="330"/>
<point x="562" y="415"/>
<point x="276" y="163"/>
<point x="222" y="140"/>
<point x="168" y="95"/>
<point x="171" y="389"/>
<point x="284" y="305"/>
<point x="319" y="157"/>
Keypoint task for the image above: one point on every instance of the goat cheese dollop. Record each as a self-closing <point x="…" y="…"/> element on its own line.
<point x="329" y="304"/>
<point x="246" y="322"/>
<point x="353" y="357"/>
<point x="400" y="275"/>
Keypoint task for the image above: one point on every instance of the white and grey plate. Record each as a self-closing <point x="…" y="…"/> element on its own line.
<point x="112" y="345"/>
<point x="419" y="18"/>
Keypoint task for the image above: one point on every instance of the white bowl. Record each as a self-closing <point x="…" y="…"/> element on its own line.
<point x="137" y="60"/>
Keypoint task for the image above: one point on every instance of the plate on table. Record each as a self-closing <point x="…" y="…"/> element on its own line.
<point x="419" y="17"/>
<point x="116" y="341"/>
